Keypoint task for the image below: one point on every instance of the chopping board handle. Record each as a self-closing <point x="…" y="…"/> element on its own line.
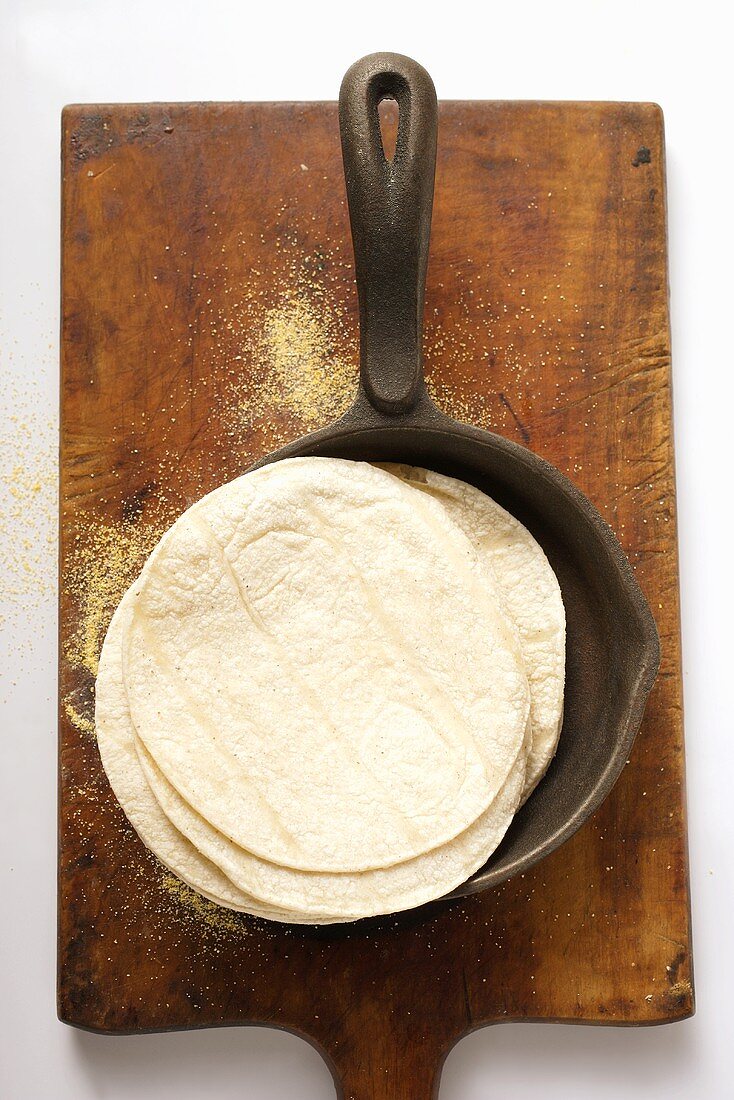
<point x="390" y="203"/>
<point x="388" y="1072"/>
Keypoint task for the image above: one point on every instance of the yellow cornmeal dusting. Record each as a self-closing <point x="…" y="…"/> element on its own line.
<point x="297" y="341"/>
<point x="216" y="917"/>
<point x="78" y="719"/>
<point x="105" y="560"/>
<point x="28" y="479"/>
<point x="102" y="563"/>
<point x="474" y="408"/>
<point x="293" y="354"/>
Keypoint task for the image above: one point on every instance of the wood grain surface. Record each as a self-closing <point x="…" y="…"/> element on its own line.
<point x="209" y="315"/>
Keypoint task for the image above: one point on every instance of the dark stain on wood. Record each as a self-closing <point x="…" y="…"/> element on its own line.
<point x="133" y="504"/>
<point x="642" y="157"/>
<point x="524" y="433"/>
<point x="91" y="137"/>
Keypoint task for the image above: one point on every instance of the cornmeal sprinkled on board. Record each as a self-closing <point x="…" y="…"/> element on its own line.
<point x="296" y="349"/>
<point x="104" y="561"/>
<point x="289" y="341"/>
<point x="191" y="902"/>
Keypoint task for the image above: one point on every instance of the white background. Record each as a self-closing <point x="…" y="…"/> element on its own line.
<point x="117" y="50"/>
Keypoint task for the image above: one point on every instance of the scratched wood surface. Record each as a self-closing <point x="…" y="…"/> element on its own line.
<point x="208" y="315"/>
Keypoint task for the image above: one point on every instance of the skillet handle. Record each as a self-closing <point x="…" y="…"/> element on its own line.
<point x="390" y="213"/>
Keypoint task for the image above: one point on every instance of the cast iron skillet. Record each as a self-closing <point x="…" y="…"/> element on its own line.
<point x="612" y="642"/>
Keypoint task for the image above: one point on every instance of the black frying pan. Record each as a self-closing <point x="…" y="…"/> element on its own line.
<point x="612" y="642"/>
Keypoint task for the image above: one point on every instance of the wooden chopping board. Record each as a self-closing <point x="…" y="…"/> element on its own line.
<point x="209" y="314"/>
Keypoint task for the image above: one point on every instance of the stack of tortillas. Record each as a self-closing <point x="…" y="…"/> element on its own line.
<point x="331" y="687"/>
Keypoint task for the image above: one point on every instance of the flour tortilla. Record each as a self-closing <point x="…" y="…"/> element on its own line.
<point x="531" y="597"/>
<point x="116" y="741"/>
<point x="319" y="669"/>
<point x="353" y="896"/>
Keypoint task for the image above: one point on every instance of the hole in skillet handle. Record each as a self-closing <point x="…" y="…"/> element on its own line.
<point x="389" y="114"/>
